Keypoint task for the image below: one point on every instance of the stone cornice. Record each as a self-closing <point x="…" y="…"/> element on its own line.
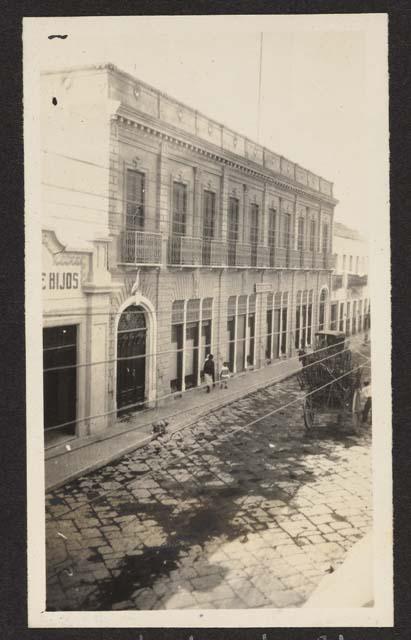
<point x="166" y="132"/>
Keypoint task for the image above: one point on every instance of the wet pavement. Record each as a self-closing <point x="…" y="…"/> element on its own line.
<point x="223" y="514"/>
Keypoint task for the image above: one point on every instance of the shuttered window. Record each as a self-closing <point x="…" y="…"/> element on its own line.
<point x="135" y="196"/>
<point x="179" y="208"/>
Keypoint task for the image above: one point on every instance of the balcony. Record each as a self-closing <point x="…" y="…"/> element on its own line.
<point x="263" y="256"/>
<point x="185" y="251"/>
<point x="330" y="261"/>
<point x="278" y="258"/>
<point x="294" y="259"/>
<point x="324" y="261"/>
<point x="354" y="281"/>
<point x="218" y="253"/>
<point x="141" y="248"/>
<point x="306" y="259"/>
<point x="243" y="255"/>
<point x="337" y="281"/>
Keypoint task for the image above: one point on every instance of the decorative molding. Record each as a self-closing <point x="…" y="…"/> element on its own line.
<point x="136" y="286"/>
<point x="62" y="257"/>
<point x="137" y="92"/>
<point x="136" y="161"/>
<point x="280" y="181"/>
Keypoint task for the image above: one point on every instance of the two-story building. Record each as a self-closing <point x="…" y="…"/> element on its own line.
<point x="350" y="301"/>
<point x="167" y="236"/>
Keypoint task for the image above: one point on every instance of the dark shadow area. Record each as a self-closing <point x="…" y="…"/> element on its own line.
<point x="223" y="467"/>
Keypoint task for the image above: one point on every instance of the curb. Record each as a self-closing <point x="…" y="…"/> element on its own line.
<point x="145" y="441"/>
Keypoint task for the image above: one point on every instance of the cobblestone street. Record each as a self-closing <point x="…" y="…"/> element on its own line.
<point x="220" y="515"/>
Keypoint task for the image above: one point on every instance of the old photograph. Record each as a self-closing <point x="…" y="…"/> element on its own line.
<point x="208" y="333"/>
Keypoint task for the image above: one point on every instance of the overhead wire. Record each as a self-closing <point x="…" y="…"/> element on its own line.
<point x="165" y="397"/>
<point x="241" y="428"/>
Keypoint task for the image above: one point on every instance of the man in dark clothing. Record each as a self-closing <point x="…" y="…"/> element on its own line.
<point x="209" y="372"/>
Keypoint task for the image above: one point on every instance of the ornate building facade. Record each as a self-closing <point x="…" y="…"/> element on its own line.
<point x="170" y="236"/>
<point x="350" y="300"/>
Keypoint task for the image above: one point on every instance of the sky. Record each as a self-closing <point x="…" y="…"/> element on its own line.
<point x="315" y="97"/>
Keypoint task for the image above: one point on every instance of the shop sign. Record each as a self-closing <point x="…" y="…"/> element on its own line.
<point x="262" y="287"/>
<point x="60" y="280"/>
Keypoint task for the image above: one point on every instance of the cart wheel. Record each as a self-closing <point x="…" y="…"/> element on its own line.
<point x="356" y="407"/>
<point x="309" y="413"/>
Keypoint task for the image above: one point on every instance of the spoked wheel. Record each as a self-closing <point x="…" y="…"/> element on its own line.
<point x="309" y="412"/>
<point x="356" y="408"/>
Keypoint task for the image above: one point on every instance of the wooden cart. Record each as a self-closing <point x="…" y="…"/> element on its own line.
<point x="332" y="389"/>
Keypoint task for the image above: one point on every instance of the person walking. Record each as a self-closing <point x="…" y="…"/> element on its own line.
<point x="224" y="375"/>
<point x="209" y="372"/>
<point x="366" y="393"/>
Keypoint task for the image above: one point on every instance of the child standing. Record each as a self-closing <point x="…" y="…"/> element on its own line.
<point x="224" y="375"/>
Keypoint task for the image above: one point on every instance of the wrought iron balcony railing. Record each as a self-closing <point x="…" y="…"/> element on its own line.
<point x="278" y="257"/>
<point x="354" y="280"/>
<point x="263" y="256"/>
<point x="243" y="255"/>
<point x="307" y="259"/>
<point x="294" y="261"/>
<point x="337" y="281"/>
<point x="141" y="247"/>
<point x="185" y="251"/>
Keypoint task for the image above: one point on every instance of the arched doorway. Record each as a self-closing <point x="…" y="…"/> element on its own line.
<point x="322" y="309"/>
<point x="131" y="359"/>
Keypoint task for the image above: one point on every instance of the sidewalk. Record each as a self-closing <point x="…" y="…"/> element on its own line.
<point x="86" y="454"/>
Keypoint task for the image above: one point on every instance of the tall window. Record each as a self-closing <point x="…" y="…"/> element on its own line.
<point x="177" y="329"/>
<point x="321" y="314"/>
<point x="191" y="342"/>
<point x="135" y="192"/>
<point x="253" y="233"/>
<point x="272" y="223"/>
<point x="269" y="326"/>
<point x="341" y="321"/>
<point x="325" y="238"/>
<point x="310" y="316"/>
<point x="208" y="224"/>
<point x="179" y="208"/>
<point x="232" y="230"/>
<point x="303" y="318"/>
<point x="348" y="320"/>
<point x="300" y="239"/>
<point x="344" y="262"/>
<point x="334" y="314"/>
<point x="284" y="323"/>
<point x="312" y="235"/>
<point x="209" y="214"/>
<point x="357" y="264"/>
<point x="230" y="336"/>
<point x="241" y="331"/>
<point x="298" y="320"/>
<point x="350" y="267"/>
<point x="285" y="228"/>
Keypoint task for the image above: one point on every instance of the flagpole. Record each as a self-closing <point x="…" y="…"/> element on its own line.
<point x="259" y="88"/>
